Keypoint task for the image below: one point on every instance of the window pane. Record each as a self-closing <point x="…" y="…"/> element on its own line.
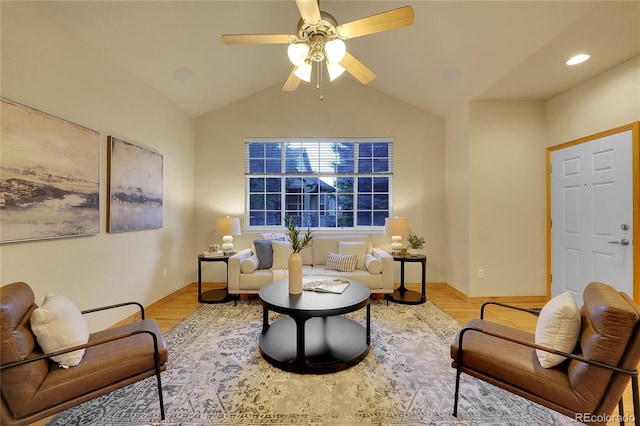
<point x="345" y="219"/>
<point x="344" y="185"/>
<point x="256" y="185"/>
<point x="379" y="217"/>
<point x="256" y="202"/>
<point x="273" y="218"/>
<point x="380" y="202"/>
<point x="256" y="218"/>
<point x="273" y="185"/>
<point x="365" y="202"/>
<point x="344" y="162"/>
<point x="273" y="202"/>
<point x="365" y="185"/>
<point x="345" y="202"/>
<point x="381" y="184"/>
<point x="380" y="165"/>
<point x="364" y="218"/>
<point x="273" y="165"/>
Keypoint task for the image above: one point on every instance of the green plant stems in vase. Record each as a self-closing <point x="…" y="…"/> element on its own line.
<point x="295" y="260"/>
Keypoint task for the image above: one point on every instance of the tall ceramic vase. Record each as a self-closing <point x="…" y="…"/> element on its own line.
<point x="295" y="273"/>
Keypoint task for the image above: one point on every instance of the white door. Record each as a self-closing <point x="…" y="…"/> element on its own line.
<point x="592" y="215"/>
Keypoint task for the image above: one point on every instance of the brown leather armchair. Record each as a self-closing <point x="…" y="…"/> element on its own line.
<point x="33" y="387"/>
<point x="588" y="385"/>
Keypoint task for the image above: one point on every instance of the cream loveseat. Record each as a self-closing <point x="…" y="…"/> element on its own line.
<point x="248" y="271"/>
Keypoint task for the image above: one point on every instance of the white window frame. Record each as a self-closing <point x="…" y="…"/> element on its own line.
<point x="283" y="175"/>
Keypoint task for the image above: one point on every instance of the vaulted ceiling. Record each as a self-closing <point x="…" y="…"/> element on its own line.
<point x="456" y="51"/>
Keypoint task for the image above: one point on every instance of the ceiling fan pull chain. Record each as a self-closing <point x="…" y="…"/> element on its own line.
<point x="319" y="78"/>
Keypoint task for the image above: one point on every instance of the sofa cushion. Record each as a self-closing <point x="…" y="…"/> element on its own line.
<point x="372" y="264"/>
<point x="324" y="244"/>
<point x="341" y="262"/>
<point x="281" y="252"/>
<point x="250" y="264"/>
<point x="264" y="252"/>
<point x="558" y="328"/>
<point x="359" y="248"/>
<point x="58" y="324"/>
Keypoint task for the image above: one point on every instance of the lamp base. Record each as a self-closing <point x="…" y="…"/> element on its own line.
<point x="227" y="246"/>
<point x="396" y="245"/>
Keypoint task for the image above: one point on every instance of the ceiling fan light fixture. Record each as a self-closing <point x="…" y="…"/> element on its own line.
<point x="335" y="70"/>
<point x="298" y="53"/>
<point x="335" y="50"/>
<point x="304" y="72"/>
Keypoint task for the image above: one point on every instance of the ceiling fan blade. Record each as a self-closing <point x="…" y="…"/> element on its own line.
<point x="258" y="38"/>
<point x="309" y="10"/>
<point x="396" y="18"/>
<point x="357" y="69"/>
<point x="292" y="83"/>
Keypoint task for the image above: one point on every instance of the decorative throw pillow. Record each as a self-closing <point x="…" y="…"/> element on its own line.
<point x="558" y="327"/>
<point x="249" y="265"/>
<point x="281" y="252"/>
<point x="359" y="248"/>
<point x="264" y="251"/>
<point x="341" y="262"/>
<point x="373" y="264"/>
<point x="58" y="325"/>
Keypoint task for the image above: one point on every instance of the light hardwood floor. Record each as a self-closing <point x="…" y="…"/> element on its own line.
<point x="174" y="308"/>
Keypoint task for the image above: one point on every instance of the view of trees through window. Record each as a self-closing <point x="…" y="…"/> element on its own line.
<point x="318" y="183"/>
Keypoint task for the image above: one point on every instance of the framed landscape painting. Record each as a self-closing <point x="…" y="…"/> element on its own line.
<point x="135" y="187"/>
<point x="49" y="176"/>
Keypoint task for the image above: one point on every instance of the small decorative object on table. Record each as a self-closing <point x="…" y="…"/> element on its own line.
<point x="295" y="260"/>
<point x="415" y="242"/>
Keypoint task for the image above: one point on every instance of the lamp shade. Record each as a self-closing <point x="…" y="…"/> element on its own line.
<point x="303" y="72"/>
<point x="298" y="53"/>
<point x="228" y="226"/>
<point x="335" y="50"/>
<point x="396" y="226"/>
<point x="335" y="70"/>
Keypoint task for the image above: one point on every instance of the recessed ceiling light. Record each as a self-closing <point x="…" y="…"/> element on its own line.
<point x="183" y="74"/>
<point x="578" y="59"/>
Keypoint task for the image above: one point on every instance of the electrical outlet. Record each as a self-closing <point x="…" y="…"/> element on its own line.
<point x="480" y="273"/>
<point x="164" y="273"/>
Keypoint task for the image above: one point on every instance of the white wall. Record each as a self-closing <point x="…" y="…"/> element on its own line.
<point x="507" y="199"/>
<point x="457" y="199"/>
<point x="348" y="109"/>
<point x="609" y="100"/>
<point x="47" y="69"/>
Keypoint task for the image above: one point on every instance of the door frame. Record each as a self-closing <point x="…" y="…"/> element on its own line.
<point x="635" y="150"/>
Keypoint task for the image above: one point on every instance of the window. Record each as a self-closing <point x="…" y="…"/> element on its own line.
<point x="319" y="183"/>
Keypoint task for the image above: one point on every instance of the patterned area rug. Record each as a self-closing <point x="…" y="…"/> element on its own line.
<point x="216" y="376"/>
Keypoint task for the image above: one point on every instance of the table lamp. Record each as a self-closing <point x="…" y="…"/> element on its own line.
<point x="228" y="227"/>
<point x="396" y="227"/>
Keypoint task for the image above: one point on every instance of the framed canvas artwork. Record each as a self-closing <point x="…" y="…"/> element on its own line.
<point x="135" y="187"/>
<point x="49" y="176"/>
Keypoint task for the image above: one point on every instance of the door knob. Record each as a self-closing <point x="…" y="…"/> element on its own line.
<point x="622" y="242"/>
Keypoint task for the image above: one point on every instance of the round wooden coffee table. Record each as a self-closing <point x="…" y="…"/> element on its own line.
<point x="314" y="338"/>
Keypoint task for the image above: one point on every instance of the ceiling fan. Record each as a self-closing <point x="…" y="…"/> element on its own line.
<point x="320" y="39"/>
